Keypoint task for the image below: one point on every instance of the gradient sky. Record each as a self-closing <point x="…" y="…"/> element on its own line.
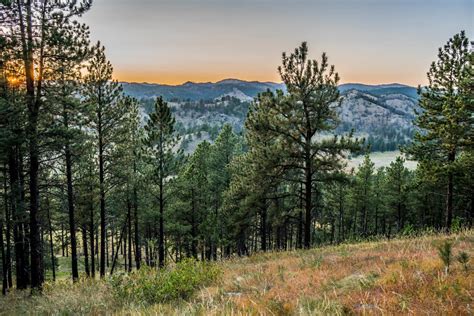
<point x="369" y="41"/>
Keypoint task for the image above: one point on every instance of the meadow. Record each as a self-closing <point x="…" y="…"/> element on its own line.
<point x="389" y="277"/>
<point x="381" y="159"/>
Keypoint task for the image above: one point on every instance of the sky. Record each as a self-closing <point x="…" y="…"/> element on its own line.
<point x="368" y="41"/>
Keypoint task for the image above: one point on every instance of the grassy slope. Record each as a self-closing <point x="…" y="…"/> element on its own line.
<point x="382" y="159"/>
<point x="385" y="277"/>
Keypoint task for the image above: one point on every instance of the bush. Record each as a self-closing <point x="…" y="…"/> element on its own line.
<point x="463" y="258"/>
<point x="445" y="252"/>
<point x="456" y="225"/>
<point x="151" y="286"/>
<point x="408" y="230"/>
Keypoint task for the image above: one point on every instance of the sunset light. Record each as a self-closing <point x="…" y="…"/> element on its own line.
<point x="237" y="157"/>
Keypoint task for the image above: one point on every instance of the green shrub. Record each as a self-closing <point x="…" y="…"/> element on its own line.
<point x="408" y="230"/>
<point x="151" y="286"/>
<point x="463" y="258"/>
<point x="456" y="225"/>
<point x="445" y="252"/>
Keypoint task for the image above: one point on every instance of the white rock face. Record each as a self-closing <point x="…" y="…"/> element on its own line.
<point x="366" y="112"/>
<point x="236" y="93"/>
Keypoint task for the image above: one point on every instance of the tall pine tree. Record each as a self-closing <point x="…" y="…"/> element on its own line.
<point x="446" y="118"/>
<point x="103" y="95"/>
<point x="160" y="141"/>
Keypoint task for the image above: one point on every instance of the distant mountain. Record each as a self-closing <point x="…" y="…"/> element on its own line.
<point x="377" y="114"/>
<point x="383" y="89"/>
<point x="381" y="113"/>
<point x="244" y="90"/>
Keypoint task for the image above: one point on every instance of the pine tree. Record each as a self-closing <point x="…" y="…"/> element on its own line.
<point x="363" y="194"/>
<point x="379" y="195"/>
<point x="446" y="118"/>
<point x="298" y="117"/>
<point x="102" y="95"/>
<point x="192" y="193"/>
<point x="30" y="25"/>
<point x="71" y="51"/>
<point x="160" y="140"/>
<point x="12" y="147"/>
<point x="397" y="191"/>
<point x="265" y="166"/>
<point x="86" y="197"/>
<point x="244" y="204"/>
<point x="124" y="170"/>
<point x="222" y="152"/>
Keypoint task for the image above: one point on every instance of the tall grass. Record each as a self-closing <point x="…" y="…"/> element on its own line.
<point x="399" y="276"/>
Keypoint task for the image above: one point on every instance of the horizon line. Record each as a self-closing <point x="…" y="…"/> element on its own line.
<point x="250" y="81"/>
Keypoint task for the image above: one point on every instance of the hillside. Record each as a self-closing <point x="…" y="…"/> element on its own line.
<point x="381" y="113"/>
<point x="245" y="90"/>
<point x="391" y="277"/>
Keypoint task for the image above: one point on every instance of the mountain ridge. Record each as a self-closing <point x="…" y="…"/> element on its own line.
<point x="382" y="113"/>
<point x="196" y="91"/>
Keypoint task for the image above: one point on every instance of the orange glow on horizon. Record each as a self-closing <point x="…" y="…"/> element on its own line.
<point x="179" y="78"/>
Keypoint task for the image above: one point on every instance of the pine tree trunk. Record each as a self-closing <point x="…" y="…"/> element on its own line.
<point x="33" y="100"/>
<point x="103" y="231"/>
<point x="471" y="212"/>
<point x="263" y="228"/>
<point x="91" y="234"/>
<point x="124" y="252"/>
<point x="147" y="254"/>
<point x="364" y="224"/>
<point x="114" y="259"/>
<point x="112" y="238"/>
<point x="384" y="226"/>
<point x="399" y="205"/>
<point x="376" y="229"/>
<point x="37" y="277"/>
<point x="161" y="239"/>
<point x="333" y="229"/>
<point x="107" y="248"/>
<point x="129" y="219"/>
<point x="97" y="242"/>
<point x="21" y="261"/>
<point x="24" y="224"/>
<point x="354" y="226"/>
<point x="308" y="203"/>
<point x="8" y="257"/>
<point x="4" y="262"/>
<point x="85" y="249"/>
<point x="449" y="194"/>
<point x="62" y="239"/>
<point x="193" y="225"/>
<point x="299" y="243"/>
<point x="51" y="245"/>
<point x="341" y="215"/>
<point x="138" y="253"/>
<point x="70" y="200"/>
<point x="5" y="196"/>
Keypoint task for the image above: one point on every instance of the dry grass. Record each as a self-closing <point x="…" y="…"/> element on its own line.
<point x="403" y="276"/>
